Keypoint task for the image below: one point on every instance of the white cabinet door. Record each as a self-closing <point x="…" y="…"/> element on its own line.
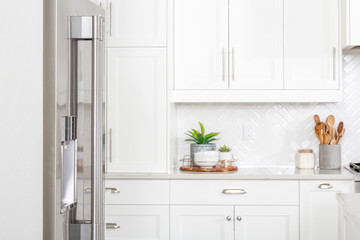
<point x="256" y="44"/>
<point x="311" y="44"/>
<point x="137" y="222"/>
<point x="267" y="222"/>
<point x="137" y="110"/>
<point x="319" y="210"/>
<point x="201" y="222"/>
<point x="136" y="23"/>
<point x="200" y="44"/>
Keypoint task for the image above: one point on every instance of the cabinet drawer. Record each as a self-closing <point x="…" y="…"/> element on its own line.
<point x="137" y="222"/>
<point x="237" y="192"/>
<point x="137" y="192"/>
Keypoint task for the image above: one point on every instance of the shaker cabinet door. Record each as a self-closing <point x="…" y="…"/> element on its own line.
<point x="137" y="222"/>
<point x="267" y="222"/>
<point x="201" y="222"/>
<point x="319" y="209"/>
<point x="200" y="44"/>
<point x="256" y="44"/>
<point x="311" y="44"/>
<point x="136" y="110"/>
<point x="136" y="23"/>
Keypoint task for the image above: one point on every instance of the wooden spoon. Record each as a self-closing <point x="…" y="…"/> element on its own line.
<point x="330" y="120"/>
<point x="341" y="136"/>
<point x="340" y="128"/>
<point x="320" y="126"/>
<point x="321" y="137"/>
<point x="316" y="118"/>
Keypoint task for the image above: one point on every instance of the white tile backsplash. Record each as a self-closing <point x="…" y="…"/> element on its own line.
<point x="280" y="129"/>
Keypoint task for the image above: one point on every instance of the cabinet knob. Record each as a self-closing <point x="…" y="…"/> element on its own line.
<point x="238" y="218"/>
<point x="228" y="218"/>
<point x="112" y="226"/>
<point x="325" y="186"/>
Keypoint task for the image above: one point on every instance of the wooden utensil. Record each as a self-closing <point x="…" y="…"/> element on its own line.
<point x="340" y="128"/>
<point x="321" y="138"/>
<point x="316" y="118"/>
<point x="330" y="121"/>
<point x="320" y="126"/>
<point x="333" y="141"/>
<point x="341" y="136"/>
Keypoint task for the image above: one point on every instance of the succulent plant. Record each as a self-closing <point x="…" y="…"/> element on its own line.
<point x="224" y="149"/>
<point x="199" y="137"/>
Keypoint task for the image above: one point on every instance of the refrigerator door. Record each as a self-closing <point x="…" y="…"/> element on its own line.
<point x="73" y="120"/>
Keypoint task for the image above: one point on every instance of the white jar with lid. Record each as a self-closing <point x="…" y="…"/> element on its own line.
<point x="305" y="159"/>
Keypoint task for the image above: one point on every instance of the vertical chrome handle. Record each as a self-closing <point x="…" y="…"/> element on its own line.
<point x="110" y="144"/>
<point x="334" y="63"/>
<point x="90" y="28"/>
<point x="110" y="18"/>
<point x="233" y="63"/>
<point x="112" y="226"/>
<point x="224" y="64"/>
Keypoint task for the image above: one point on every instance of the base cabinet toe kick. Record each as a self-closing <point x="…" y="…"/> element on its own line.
<point x="223" y="209"/>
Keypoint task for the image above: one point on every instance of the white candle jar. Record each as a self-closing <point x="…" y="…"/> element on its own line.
<point x="305" y="159"/>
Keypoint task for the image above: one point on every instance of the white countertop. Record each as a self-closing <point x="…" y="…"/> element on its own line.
<point x="350" y="205"/>
<point x="254" y="173"/>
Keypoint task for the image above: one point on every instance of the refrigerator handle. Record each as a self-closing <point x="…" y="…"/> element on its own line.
<point x="91" y="28"/>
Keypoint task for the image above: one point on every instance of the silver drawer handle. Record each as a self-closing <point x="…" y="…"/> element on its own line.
<point x="234" y="191"/>
<point x="112" y="226"/>
<point x="113" y="190"/>
<point x="325" y="186"/>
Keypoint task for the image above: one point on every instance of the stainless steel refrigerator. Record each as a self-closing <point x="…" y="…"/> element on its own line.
<point x="73" y="120"/>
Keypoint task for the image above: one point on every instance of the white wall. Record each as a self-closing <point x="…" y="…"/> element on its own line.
<point x="279" y="129"/>
<point x="21" y="120"/>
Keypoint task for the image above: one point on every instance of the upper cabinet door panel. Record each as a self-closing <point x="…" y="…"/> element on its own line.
<point x="137" y="23"/>
<point x="256" y="44"/>
<point x="200" y="44"/>
<point x="311" y="44"/>
<point x="137" y="109"/>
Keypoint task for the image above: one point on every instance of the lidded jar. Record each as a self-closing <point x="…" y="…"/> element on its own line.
<point x="305" y="159"/>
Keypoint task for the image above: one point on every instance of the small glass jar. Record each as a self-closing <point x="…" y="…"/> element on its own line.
<point x="305" y="159"/>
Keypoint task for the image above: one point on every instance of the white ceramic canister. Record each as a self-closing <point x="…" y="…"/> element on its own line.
<point x="305" y="159"/>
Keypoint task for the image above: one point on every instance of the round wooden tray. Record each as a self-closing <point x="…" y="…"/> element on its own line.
<point x="214" y="169"/>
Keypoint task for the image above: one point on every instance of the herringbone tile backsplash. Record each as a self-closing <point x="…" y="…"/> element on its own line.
<point x="280" y="129"/>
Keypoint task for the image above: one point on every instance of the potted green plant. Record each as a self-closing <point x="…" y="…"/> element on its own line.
<point x="225" y="153"/>
<point x="201" y="141"/>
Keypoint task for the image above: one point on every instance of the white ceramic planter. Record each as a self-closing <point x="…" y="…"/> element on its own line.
<point x="225" y="156"/>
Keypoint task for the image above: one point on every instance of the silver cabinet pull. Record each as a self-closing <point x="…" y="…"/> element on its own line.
<point x="234" y="191"/>
<point x="325" y="186"/>
<point x="224" y="64"/>
<point x="110" y="16"/>
<point x="87" y="190"/>
<point x="233" y="63"/>
<point x="228" y="218"/>
<point x="113" y="190"/>
<point x="239" y="218"/>
<point x="112" y="226"/>
<point x="334" y="63"/>
<point x="110" y="144"/>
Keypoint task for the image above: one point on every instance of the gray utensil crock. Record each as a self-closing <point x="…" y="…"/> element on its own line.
<point x="330" y="156"/>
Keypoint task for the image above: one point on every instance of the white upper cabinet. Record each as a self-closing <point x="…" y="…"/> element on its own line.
<point x="136" y="23"/>
<point x="311" y="44"/>
<point x="137" y="110"/>
<point x="350" y="23"/>
<point x="256" y="44"/>
<point x="201" y="43"/>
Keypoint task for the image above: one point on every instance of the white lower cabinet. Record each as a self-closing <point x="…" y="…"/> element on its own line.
<point x="229" y="222"/>
<point x="137" y="222"/>
<point x="201" y="222"/>
<point x="319" y="210"/>
<point x="266" y="222"/>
